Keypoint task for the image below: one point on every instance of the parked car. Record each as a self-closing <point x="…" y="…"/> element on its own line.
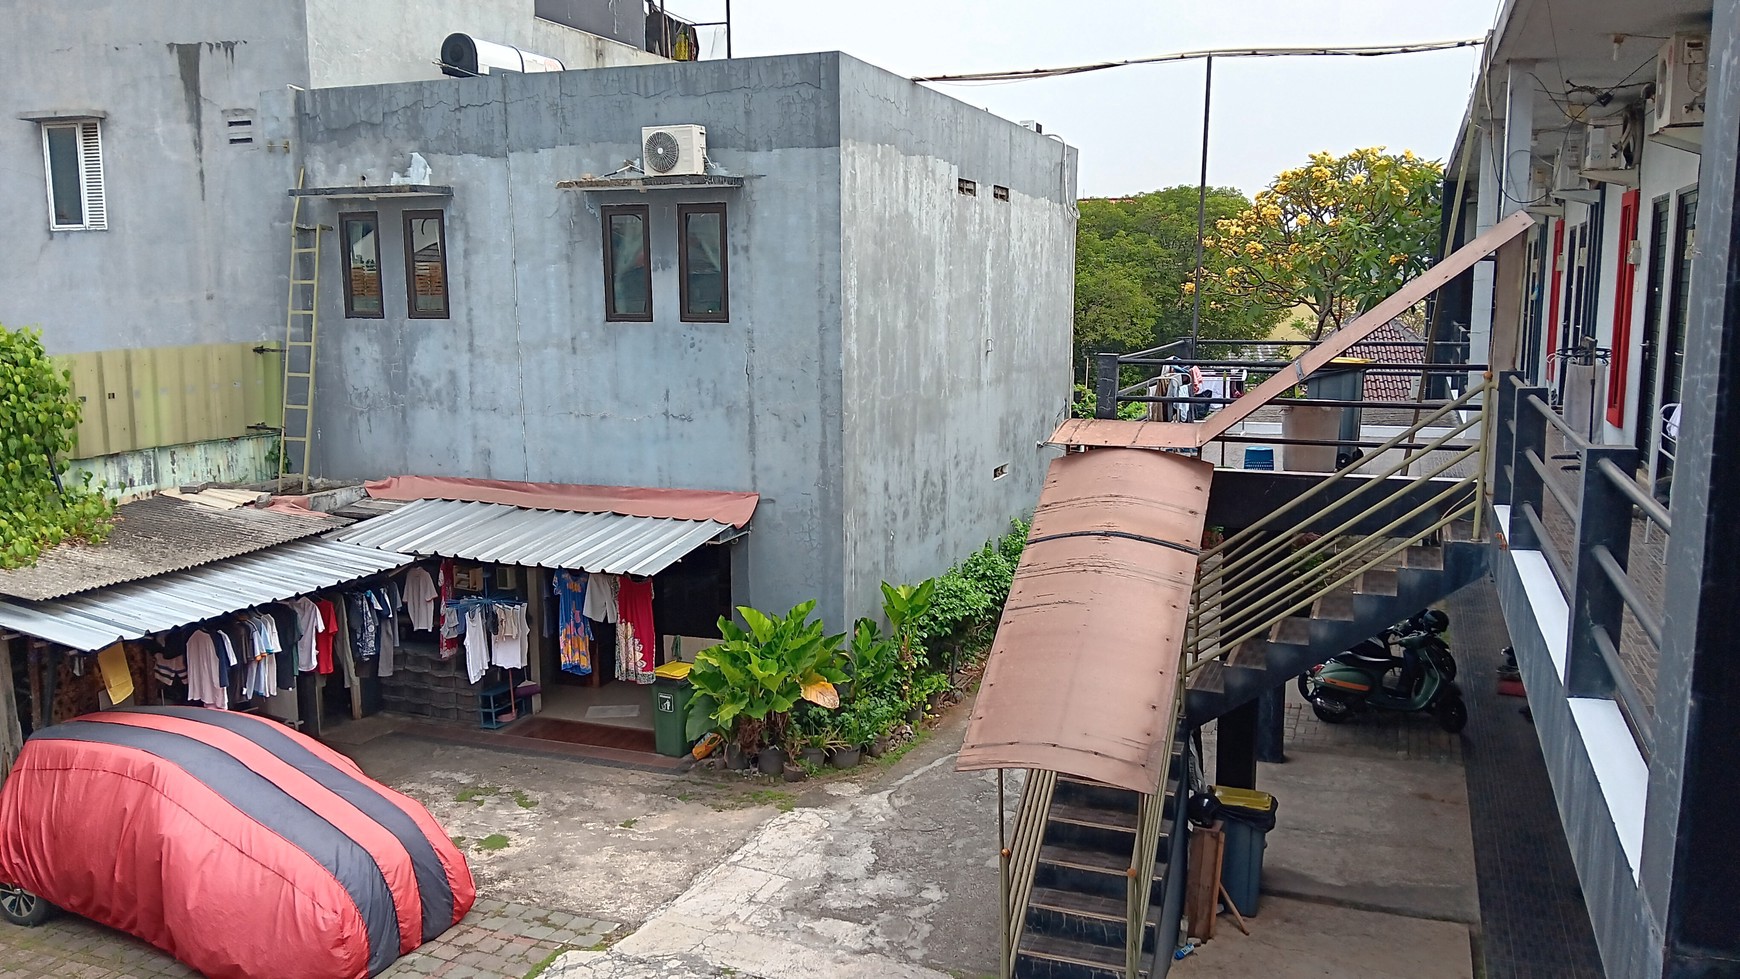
<point x="233" y="843"/>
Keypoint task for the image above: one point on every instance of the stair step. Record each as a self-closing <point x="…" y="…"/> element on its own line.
<point x="1252" y="654"/>
<point x="1111" y="819"/>
<point x="1208" y="678"/>
<point x="1378" y="582"/>
<point x="1426" y="557"/>
<point x="1337" y="605"/>
<point x="1061" y="958"/>
<point x="1294" y="630"/>
<point x="1459" y="530"/>
<point x="1088" y="794"/>
<point x="1093" y="861"/>
<point x="1091" y="918"/>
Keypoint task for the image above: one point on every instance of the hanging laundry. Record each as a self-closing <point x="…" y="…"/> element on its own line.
<point x="448" y="645"/>
<point x="289" y="626"/>
<point x="308" y="627"/>
<point x="421" y="599"/>
<point x="203" y="684"/>
<point x="170" y="667"/>
<point x="636" y="640"/>
<point x="364" y="625"/>
<point x="507" y="644"/>
<point x="323" y="638"/>
<point x="576" y="632"/>
<point x="476" y="644"/>
<point x="601" y="600"/>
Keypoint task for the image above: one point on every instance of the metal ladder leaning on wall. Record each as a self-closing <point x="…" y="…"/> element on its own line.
<point x="301" y="332"/>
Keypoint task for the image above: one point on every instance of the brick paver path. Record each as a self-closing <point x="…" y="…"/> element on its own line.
<point x="497" y="940"/>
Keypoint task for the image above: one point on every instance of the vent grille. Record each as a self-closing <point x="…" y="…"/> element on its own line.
<point x="967" y="187"/>
<point x="241" y="130"/>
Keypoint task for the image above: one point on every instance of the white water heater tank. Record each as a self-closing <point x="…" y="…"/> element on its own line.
<point x="464" y="56"/>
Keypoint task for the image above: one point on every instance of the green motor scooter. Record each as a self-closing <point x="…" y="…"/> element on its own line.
<point x="1368" y="678"/>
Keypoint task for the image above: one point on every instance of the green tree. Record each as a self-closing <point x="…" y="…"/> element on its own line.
<point x="38" y="418"/>
<point x="1336" y="236"/>
<point x="1135" y="257"/>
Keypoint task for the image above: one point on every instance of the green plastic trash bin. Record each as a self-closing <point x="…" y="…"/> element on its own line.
<point x="1246" y="817"/>
<point x="671" y="694"/>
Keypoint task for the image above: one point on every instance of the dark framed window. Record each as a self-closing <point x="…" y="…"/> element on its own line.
<point x="360" y="235"/>
<point x="627" y="271"/>
<point x="426" y="265"/>
<point x="702" y="267"/>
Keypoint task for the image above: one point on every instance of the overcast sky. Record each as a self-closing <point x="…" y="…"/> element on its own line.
<point x="1139" y="128"/>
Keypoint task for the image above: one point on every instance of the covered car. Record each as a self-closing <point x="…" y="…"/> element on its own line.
<point x="233" y="843"/>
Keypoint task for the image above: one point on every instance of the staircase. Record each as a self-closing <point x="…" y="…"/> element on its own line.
<point x="1421" y="575"/>
<point x="1077" y="919"/>
<point x="1370" y="545"/>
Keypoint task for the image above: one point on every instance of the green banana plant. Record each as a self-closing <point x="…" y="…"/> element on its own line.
<point x="747" y="685"/>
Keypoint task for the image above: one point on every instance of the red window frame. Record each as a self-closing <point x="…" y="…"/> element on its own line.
<point x="1623" y="301"/>
<point x="1553" y="301"/>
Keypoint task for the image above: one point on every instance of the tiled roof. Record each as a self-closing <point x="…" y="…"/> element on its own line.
<point x="1392" y="343"/>
<point x="154" y="536"/>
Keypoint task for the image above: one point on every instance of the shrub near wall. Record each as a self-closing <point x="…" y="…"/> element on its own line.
<point x="958" y="627"/>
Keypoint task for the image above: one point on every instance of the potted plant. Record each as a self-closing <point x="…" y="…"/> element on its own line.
<point x="929" y="690"/>
<point x="747" y="685"/>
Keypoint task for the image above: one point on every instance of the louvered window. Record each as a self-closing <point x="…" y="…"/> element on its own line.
<point x="72" y="155"/>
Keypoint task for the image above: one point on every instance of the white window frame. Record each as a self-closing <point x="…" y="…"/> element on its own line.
<point x="93" y="200"/>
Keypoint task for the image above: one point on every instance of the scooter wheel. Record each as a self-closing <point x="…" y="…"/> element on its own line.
<point x="1304" y="687"/>
<point x="1328" y="716"/>
<point x="1452" y="714"/>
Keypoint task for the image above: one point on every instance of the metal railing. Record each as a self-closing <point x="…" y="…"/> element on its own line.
<point x="1589" y="551"/>
<point x="1018" y="856"/>
<point x="1150" y="827"/>
<point x="1265" y="572"/>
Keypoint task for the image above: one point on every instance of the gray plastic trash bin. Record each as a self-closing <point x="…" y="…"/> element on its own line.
<point x="1246" y="817"/>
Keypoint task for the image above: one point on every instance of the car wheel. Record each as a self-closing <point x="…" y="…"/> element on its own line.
<point x="21" y="907"/>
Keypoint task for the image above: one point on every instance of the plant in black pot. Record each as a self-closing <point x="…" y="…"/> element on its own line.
<point x="747" y="685"/>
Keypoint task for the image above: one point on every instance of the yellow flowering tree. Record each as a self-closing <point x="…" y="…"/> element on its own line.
<point x="1336" y="236"/>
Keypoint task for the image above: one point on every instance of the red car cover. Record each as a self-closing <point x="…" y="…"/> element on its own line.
<point x="233" y="843"/>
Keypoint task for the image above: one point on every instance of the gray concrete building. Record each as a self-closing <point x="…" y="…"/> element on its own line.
<point x="889" y="348"/>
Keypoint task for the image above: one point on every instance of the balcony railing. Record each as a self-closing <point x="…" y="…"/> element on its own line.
<point x="1578" y="504"/>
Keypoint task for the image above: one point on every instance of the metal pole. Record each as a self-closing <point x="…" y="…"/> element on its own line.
<point x="727" y="29"/>
<point x="1201" y="207"/>
<point x="1002" y="880"/>
<point x="664" y="30"/>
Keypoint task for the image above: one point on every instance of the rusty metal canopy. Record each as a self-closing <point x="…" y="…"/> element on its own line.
<point x="1083" y="676"/>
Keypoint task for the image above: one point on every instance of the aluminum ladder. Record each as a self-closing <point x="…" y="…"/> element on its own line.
<point x="301" y="333"/>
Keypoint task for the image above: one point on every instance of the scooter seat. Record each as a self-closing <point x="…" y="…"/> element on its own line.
<point x="1372" y="655"/>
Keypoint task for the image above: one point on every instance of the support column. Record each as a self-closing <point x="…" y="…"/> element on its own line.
<point x="1235" y="750"/>
<point x="1272" y="726"/>
<point x="1691" y="838"/>
<point x="1485" y="216"/>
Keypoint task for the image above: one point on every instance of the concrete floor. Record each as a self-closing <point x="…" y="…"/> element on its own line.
<point x="1370" y="868"/>
<point x="616" y="704"/>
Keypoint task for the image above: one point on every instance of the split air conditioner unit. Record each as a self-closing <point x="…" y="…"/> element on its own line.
<point x="1682" y="76"/>
<point x="669" y="151"/>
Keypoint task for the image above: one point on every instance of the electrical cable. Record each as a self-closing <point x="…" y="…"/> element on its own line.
<point x="1367" y="51"/>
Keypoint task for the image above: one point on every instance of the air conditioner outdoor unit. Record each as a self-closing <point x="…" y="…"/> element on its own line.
<point x="1682" y="75"/>
<point x="1612" y="149"/>
<point x="668" y="151"/>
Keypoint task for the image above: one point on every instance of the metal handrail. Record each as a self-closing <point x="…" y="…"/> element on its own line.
<point x="1628" y="592"/>
<point x="1297" y="558"/>
<point x="1264" y="619"/>
<point x="1559" y="494"/>
<point x="1224" y="646"/>
<point x="1630" y="699"/>
<point x="1273" y="543"/>
<point x="1555" y="562"/>
<point x="1021" y="858"/>
<point x="1628" y="487"/>
<point x="1150" y="820"/>
<point x="1299" y="501"/>
<point x="1557" y="421"/>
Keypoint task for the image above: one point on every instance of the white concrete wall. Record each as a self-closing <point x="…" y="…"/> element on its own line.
<point x="351" y="43"/>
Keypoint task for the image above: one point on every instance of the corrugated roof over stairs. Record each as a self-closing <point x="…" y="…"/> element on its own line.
<point x="1082" y="678"/>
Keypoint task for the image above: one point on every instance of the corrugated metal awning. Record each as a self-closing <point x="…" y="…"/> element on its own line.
<point x="95" y="619"/>
<point x="503" y="534"/>
<point x="1083" y="675"/>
